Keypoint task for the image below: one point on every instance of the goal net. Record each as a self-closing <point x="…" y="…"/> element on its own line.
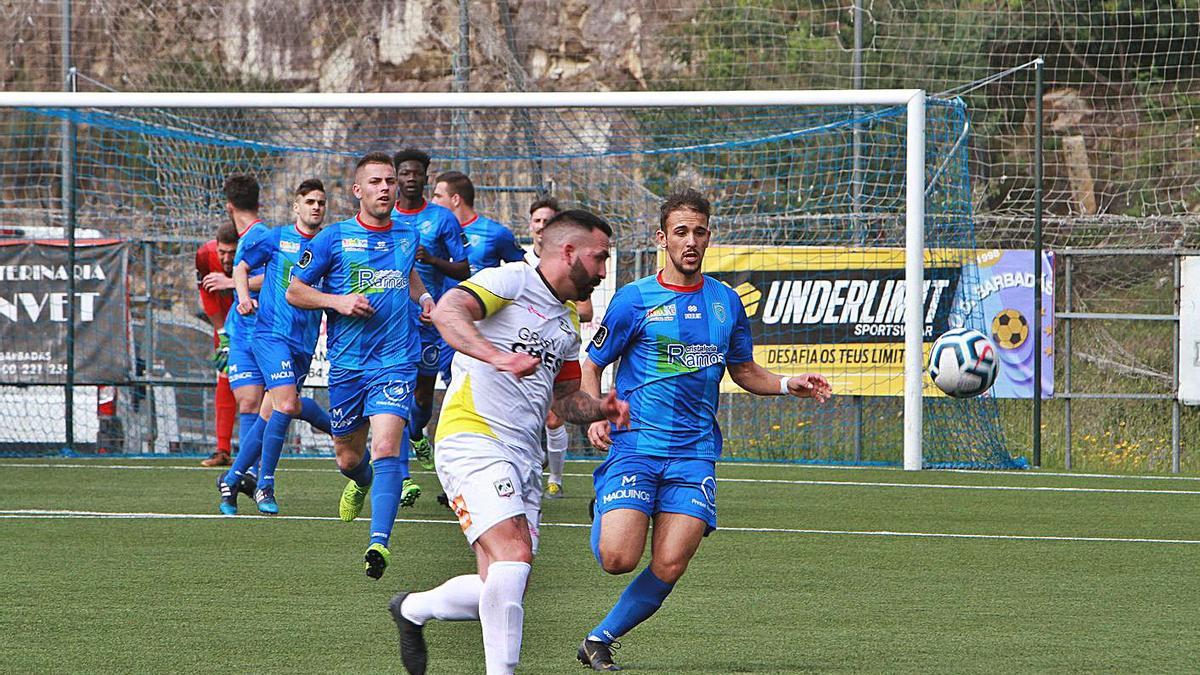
<point x="811" y="227"/>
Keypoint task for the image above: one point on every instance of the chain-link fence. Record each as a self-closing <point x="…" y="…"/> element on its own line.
<point x="1122" y="102"/>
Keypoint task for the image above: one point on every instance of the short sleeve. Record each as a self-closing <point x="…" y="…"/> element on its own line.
<point x="259" y="251"/>
<point x="617" y="329"/>
<point x="455" y="238"/>
<point x="569" y="371"/>
<point x="317" y="258"/>
<point x="507" y="248"/>
<point x="495" y="287"/>
<point x="741" y="341"/>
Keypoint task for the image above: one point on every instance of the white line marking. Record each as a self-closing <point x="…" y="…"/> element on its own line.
<point x="44" y="514"/>
<point x="723" y="479"/>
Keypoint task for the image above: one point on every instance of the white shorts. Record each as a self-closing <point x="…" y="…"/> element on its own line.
<point x="486" y="485"/>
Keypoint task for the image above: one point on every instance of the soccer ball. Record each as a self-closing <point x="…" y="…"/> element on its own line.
<point x="963" y="363"/>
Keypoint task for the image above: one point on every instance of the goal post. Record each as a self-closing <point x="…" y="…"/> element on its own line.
<point x="729" y="122"/>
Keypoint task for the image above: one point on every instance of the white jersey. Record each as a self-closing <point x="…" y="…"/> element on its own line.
<point x="532" y="258"/>
<point x="521" y="314"/>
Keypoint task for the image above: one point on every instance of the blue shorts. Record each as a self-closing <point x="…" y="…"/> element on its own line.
<point x="656" y="485"/>
<point x="436" y="355"/>
<point x="355" y="395"/>
<point x="243" y="367"/>
<point x="279" y="363"/>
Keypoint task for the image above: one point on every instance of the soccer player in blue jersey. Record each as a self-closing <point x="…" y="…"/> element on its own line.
<point x="491" y="244"/>
<point x="675" y="333"/>
<point x="367" y="265"/>
<point x="441" y="262"/>
<point x="241" y="205"/>
<point x="285" y="338"/>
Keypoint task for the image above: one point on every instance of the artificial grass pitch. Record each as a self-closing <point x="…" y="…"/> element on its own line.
<point x="837" y="570"/>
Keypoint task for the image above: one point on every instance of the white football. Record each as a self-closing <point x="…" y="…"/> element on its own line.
<point x="963" y="363"/>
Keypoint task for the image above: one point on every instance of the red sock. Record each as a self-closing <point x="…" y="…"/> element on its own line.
<point x="226" y="411"/>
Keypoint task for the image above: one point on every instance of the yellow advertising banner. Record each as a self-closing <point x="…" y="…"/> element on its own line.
<point x="838" y="311"/>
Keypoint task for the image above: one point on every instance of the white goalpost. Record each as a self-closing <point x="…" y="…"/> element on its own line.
<point x="911" y="101"/>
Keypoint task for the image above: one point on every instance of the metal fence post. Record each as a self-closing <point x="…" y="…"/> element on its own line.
<point x="1038" y="288"/>
<point x="1067" y="363"/>
<point x="1175" y="405"/>
<point x="68" y="207"/>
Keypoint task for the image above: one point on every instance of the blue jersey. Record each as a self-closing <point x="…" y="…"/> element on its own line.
<point x="674" y="343"/>
<point x="352" y="257"/>
<point x="280" y="250"/>
<point x="239" y="327"/>
<point x="441" y="236"/>
<point x="490" y="244"/>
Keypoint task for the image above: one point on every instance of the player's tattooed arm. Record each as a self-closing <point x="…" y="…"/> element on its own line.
<point x="758" y="380"/>
<point x="577" y="407"/>
<point x="589" y="382"/>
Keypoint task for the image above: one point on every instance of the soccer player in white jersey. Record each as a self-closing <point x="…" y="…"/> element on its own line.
<point x="557" y="439"/>
<point x="517" y="339"/>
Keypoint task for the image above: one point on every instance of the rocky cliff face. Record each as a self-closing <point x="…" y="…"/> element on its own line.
<point x="304" y="45"/>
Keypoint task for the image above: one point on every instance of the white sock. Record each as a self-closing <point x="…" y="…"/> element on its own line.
<point x="502" y="615"/>
<point x="556" y="451"/>
<point x="455" y="600"/>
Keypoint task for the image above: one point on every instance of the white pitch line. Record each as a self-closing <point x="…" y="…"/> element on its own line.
<point x="41" y="514"/>
<point x="763" y="481"/>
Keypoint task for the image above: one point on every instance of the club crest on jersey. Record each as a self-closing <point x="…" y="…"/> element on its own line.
<point x="504" y="487"/>
<point x="661" y="313"/>
<point x="406" y="245"/>
<point x="289" y="246"/>
<point x="305" y="259"/>
<point x="354" y="244"/>
<point x="719" y="312"/>
<point x="600" y="336"/>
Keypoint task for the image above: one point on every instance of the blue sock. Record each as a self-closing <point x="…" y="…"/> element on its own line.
<point x="385" y="498"/>
<point x="420" y="419"/>
<point x="315" y="415"/>
<point x="249" y="448"/>
<point x="405" y="451"/>
<point x="272" y="446"/>
<point x="640" y="599"/>
<point x="363" y="475"/>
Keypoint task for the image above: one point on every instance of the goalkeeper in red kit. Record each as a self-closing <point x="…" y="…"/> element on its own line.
<point x="214" y="270"/>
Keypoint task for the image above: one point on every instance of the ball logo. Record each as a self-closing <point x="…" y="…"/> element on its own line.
<point x="1010" y="329"/>
<point x="305" y="259"/>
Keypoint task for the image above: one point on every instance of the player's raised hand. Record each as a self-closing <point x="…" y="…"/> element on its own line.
<point x="810" y="385"/>
<point x="517" y="363"/>
<point x="421" y="255"/>
<point x="354" y="304"/>
<point x="616" y="410"/>
<point x="247" y="306"/>
<point x="598" y="435"/>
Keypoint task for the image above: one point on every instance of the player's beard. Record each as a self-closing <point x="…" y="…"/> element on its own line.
<point x="584" y="282"/>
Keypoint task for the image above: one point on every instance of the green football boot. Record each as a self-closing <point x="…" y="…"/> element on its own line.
<point x="423" y="449"/>
<point x="376" y="560"/>
<point x="351" y="503"/>
<point x="409" y="492"/>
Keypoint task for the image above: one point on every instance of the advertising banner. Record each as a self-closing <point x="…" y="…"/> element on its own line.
<point x="840" y="311"/>
<point x="33" y="312"/>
